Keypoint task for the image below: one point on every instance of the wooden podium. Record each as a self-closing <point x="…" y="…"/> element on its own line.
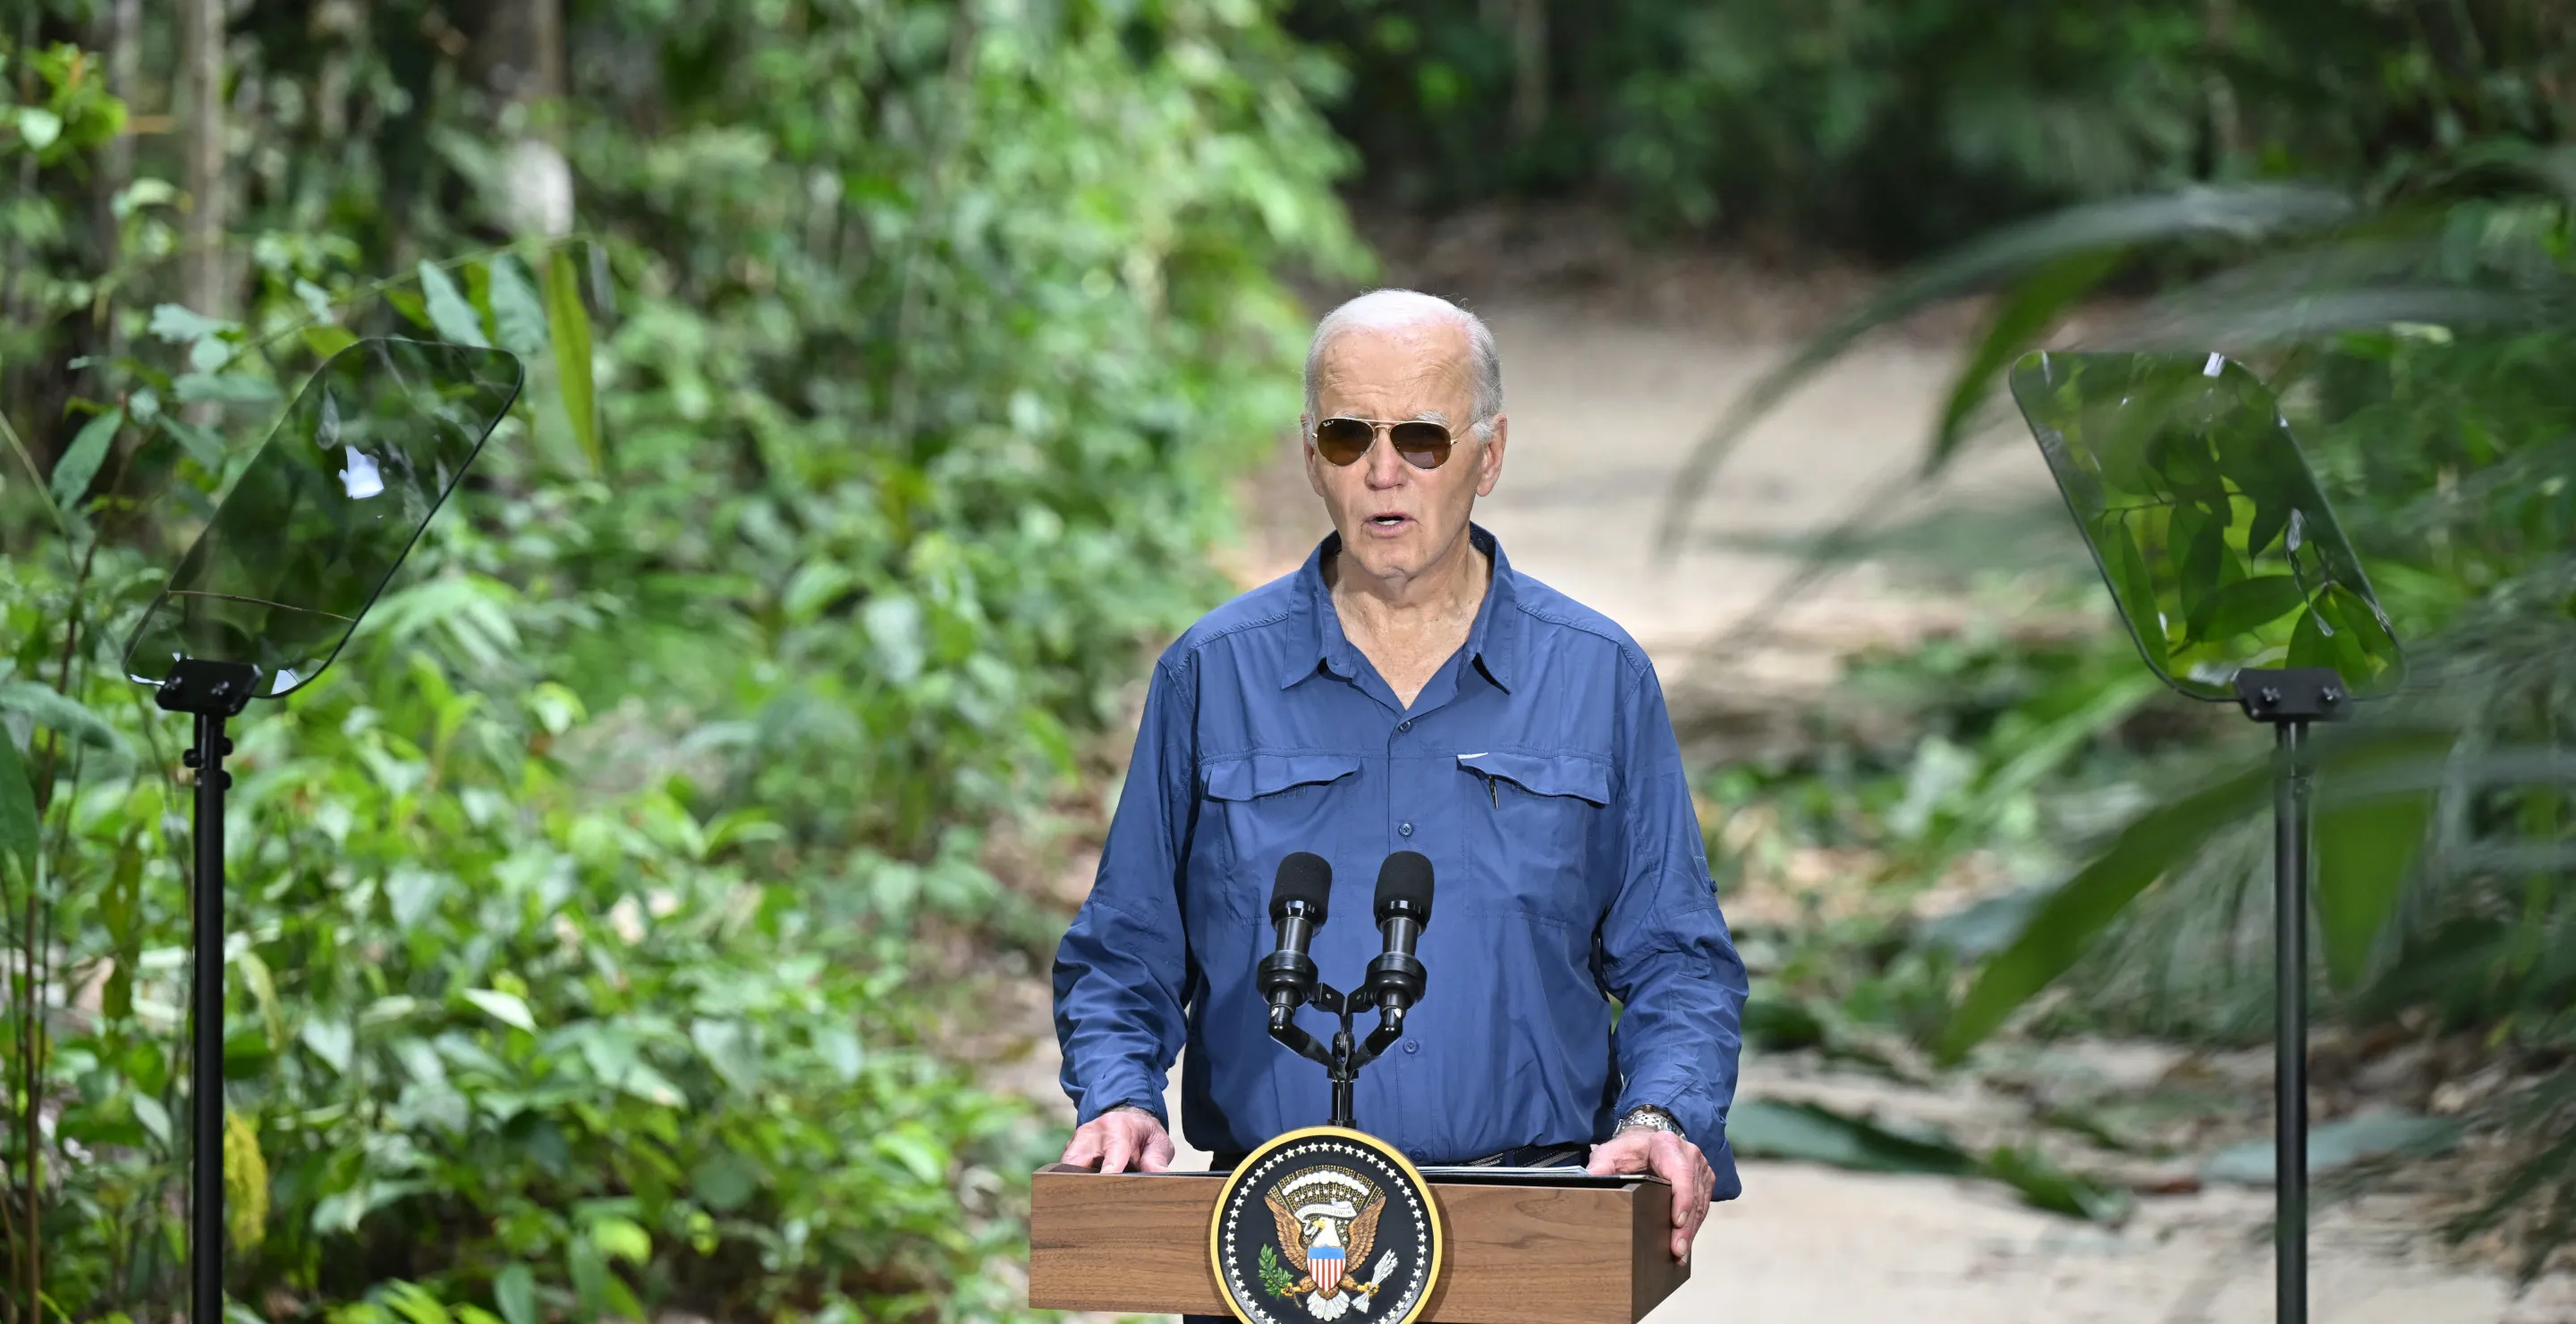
<point x="1516" y="1253"/>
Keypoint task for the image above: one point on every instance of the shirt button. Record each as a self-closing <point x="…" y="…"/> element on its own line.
<point x="1405" y="725"/>
<point x="1420" y="1155"/>
<point x="1412" y="1046"/>
<point x="1404" y="829"/>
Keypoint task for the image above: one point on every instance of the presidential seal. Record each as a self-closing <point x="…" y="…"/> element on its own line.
<point x="1325" y="1224"/>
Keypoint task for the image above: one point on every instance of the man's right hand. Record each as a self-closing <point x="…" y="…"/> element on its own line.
<point x="1118" y="1139"/>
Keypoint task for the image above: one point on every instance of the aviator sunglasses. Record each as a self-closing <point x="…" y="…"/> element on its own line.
<point x="1422" y="443"/>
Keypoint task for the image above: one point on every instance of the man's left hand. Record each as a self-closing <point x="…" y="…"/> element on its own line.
<point x="1678" y="1161"/>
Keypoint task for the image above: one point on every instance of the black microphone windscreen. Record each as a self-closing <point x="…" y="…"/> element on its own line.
<point x="1303" y="876"/>
<point x="1405" y="879"/>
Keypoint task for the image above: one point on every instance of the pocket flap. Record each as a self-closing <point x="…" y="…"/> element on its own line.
<point x="1251" y="776"/>
<point x="1578" y="775"/>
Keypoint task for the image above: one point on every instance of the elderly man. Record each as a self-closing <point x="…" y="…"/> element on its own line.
<point x="1406" y="689"/>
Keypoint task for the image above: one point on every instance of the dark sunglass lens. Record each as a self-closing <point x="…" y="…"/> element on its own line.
<point x="1425" y="444"/>
<point x="1343" y="440"/>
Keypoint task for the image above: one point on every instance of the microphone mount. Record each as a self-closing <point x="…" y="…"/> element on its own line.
<point x="1343" y="1060"/>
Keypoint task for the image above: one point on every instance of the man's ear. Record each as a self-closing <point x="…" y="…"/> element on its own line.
<point x="1314" y="463"/>
<point x="1489" y="457"/>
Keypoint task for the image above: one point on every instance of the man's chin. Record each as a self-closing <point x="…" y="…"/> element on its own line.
<point x="1400" y="553"/>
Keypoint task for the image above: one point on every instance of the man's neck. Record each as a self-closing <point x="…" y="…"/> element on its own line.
<point x="1450" y="589"/>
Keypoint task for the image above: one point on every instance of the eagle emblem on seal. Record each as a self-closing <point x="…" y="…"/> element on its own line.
<point x="1327" y="1221"/>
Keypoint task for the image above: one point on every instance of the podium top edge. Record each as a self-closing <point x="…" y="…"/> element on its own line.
<point x="1499" y="1177"/>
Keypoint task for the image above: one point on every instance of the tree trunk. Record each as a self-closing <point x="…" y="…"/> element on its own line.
<point x="1529" y="66"/>
<point x="120" y="25"/>
<point x="520" y="51"/>
<point x="201" y="116"/>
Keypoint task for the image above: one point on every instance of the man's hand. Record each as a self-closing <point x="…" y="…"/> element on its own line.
<point x="1678" y="1161"/>
<point x="1122" y="1137"/>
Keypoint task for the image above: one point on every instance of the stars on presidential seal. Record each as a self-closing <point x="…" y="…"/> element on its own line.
<point x="1326" y="1224"/>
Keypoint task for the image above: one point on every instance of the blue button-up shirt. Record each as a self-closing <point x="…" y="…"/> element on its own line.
<point x="1539" y="773"/>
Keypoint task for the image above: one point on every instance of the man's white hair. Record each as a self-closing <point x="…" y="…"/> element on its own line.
<point x="1387" y="310"/>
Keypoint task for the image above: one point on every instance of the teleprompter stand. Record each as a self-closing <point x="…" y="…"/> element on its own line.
<point x="2290" y="699"/>
<point x="311" y="531"/>
<point x="212" y="692"/>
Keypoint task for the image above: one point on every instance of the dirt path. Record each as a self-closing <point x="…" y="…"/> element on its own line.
<point x="1602" y="411"/>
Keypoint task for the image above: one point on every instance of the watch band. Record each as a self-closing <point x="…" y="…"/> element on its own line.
<point x="1647" y="1117"/>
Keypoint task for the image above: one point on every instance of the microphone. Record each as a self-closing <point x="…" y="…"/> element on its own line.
<point x="1297" y="898"/>
<point x="1403" y="910"/>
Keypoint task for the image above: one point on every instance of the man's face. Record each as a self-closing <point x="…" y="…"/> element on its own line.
<point x="1396" y="519"/>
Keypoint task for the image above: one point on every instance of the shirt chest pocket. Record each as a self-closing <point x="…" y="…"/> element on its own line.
<point x="1534" y="824"/>
<point x="1265" y="806"/>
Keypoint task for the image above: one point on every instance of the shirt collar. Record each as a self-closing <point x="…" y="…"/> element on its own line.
<point x="1492" y="642"/>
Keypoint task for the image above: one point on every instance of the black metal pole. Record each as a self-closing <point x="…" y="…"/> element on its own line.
<point x="206" y="1031"/>
<point x="2290" y="1020"/>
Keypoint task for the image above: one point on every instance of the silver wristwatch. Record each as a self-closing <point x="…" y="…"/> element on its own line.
<point x="1650" y="1118"/>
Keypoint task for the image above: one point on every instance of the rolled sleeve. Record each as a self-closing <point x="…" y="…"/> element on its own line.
<point x="1123" y="971"/>
<point x="1666" y="953"/>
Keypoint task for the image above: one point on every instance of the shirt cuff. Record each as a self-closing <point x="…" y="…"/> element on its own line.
<point x="1138" y="1092"/>
<point x="1686" y="1102"/>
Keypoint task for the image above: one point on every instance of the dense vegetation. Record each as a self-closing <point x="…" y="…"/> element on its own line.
<point x="1905" y="125"/>
<point x="573" y="956"/>
<point x="886" y="355"/>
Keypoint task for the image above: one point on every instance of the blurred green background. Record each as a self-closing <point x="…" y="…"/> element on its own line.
<point x="619" y="923"/>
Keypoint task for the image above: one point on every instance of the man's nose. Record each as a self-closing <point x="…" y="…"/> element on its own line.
<point x="1385" y="467"/>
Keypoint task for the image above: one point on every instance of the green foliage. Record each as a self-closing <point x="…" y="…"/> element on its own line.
<point x="2402" y="340"/>
<point x="1905" y="126"/>
<point x="880" y="414"/>
<point x="1274" y="1275"/>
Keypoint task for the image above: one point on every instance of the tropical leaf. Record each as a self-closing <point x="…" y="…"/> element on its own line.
<point x="569" y="324"/>
<point x="449" y="313"/>
<point x="2242" y="213"/>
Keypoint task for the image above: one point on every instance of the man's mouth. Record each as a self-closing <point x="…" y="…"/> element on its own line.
<point x="1389" y="522"/>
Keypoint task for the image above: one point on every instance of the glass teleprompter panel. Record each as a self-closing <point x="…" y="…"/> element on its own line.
<point x="2205" y="519"/>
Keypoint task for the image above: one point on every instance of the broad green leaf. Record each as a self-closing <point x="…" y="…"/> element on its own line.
<point x="38" y="127"/>
<point x="2044" y="1185"/>
<point x="2245" y="606"/>
<point x="80" y="461"/>
<point x="229" y="388"/>
<point x="1812" y="1133"/>
<point x="621" y="1238"/>
<point x="2272" y="513"/>
<point x="2136" y="590"/>
<point x="507" y="1008"/>
<point x="177" y="325"/>
<point x="326" y="341"/>
<point x="47" y="707"/>
<point x="915" y="1148"/>
<point x="2065" y="925"/>
<point x="18" y="828"/>
<point x="568" y="325"/>
<point x="728" y="1047"/>
<point x="332" y="1041"/>
<point x="2309" y="644"/>
<point x="724" y="1180"/>
<point x="2364" y="850"/>
<point x="454" y="318"/>
<point x="518" y="316"/>
<point x="2197" y="544"/>
<point x="415" y="1304"/>
<point x="202" y="446"/>
<point x="2034" y="304"/>
<point x="514" y="1290"/>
